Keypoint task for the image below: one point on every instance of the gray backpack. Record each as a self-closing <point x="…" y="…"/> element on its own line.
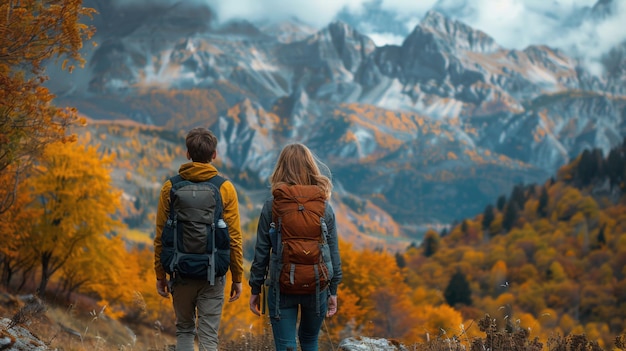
<point x="195" y="239"/>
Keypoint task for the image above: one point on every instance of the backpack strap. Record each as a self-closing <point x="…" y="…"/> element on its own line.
<point x="171" y="216"/>
<point x="275" y="223"/>
<point x="324" y="225"/>
<point x="176" y="179"/>
<point x="218" y="180"/>
<point x="279" y="244"/>
<point x="318" y="298"/>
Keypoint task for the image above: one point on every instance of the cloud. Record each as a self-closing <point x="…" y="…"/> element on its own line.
<point x="408" y="7"/>
<point x="595" y="38"/>
<point x="514" y="24"/>
<point x="382" y="39"/>
<point x="318" y="13"/>
<point x="517" y="24"/>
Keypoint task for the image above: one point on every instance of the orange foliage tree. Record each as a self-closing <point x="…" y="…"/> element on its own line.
<point x="32" y="32"/>
<point x="380" y="302"/>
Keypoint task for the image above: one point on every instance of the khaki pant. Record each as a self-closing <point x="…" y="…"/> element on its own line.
<point x="196" y="301"/>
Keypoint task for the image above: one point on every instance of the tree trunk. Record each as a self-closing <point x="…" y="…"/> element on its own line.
<point x="7" y="273"/>
<point x="45" y="273"/>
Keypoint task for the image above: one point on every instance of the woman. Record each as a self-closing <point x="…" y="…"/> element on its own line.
<point x="296" y="181"/>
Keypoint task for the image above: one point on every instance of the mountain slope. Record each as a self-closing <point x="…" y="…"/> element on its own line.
<point x="428" y="131"/>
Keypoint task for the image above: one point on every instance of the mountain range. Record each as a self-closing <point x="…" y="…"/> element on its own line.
<point x="416" y="135"/>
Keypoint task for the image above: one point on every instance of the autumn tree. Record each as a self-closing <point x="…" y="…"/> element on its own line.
<point x="102" y="267"/>
<point x="368" y="275"/>
<point x="72" y="188"/>
<point x="33" y="32"/>
<point x="14" y="224"/>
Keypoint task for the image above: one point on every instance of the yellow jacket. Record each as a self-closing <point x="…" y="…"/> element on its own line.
<point x="195" y="172"/>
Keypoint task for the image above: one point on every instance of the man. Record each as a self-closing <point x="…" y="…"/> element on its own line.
<point x="197" y="299"/>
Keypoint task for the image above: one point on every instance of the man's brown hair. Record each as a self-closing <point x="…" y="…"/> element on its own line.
<point x="201" y="145"/>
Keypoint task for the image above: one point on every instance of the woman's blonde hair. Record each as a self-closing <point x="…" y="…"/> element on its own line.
<point x="297" y="165"/>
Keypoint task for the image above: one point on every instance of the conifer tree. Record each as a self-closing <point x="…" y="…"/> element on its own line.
<point x="458" y="290"/>
<point x="602" y="237"/>
<point x="615" y="166"/>
<point x="430" y="243"/>
<point x="464" y="226"/>
<point x="510" y="216"/>
<point x="517" y="196"/>
<point x="400" y="260"/>
<point x="542" y="207"/>
<point x="589" y="167"/>
<point x="488" y="216"/>
<point x="501" y="202"/>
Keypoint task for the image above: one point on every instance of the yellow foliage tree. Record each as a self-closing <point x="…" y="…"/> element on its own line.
<point x="498" y="278"/>
<point x="72" y="189"/>
<point x="102" y="267"/>
<point x="148" y="306"/>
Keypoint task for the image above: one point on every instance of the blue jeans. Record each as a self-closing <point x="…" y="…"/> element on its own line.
<point x="284" y="326"/>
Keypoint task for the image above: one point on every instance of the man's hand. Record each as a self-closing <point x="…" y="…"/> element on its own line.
<point x="235" y="292"/>
<point x="332" y="306"/>
<point x="162" y="288"/>
<point x="255" y="304"/>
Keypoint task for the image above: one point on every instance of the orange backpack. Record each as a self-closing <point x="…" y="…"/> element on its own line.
<point x="298" y="215"/>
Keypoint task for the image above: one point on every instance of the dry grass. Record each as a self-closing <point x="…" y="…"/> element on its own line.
<point x="512" y="339"/>
<point x="73" y="329"/>
<point x="78" y="328"/>
<point x="508" y="339"/>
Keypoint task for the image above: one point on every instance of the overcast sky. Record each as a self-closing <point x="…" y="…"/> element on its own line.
<point x="513" y="24"/>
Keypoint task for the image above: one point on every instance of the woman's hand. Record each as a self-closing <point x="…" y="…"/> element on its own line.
<point x="332" y="306"/>
<point x="255" y="303"/>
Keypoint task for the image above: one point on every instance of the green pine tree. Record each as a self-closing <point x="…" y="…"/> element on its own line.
<point x="458" y="290"/>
